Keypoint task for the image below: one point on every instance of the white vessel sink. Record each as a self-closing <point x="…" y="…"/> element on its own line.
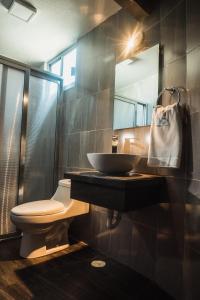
<point x="112" y="163"/>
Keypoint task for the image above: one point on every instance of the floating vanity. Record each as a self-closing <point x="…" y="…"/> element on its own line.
<point x="122" y="193"/>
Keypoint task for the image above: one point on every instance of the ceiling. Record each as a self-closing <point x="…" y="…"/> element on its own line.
<point x="56" y="26"/>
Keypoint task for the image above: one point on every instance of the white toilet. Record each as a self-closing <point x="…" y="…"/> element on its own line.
<point x="45" y="223"/>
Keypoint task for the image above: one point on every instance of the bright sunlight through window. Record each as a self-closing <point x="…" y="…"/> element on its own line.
<point x="65" y="66"/>
<point x="69" y="68"/>
<point x="56" y="67"/>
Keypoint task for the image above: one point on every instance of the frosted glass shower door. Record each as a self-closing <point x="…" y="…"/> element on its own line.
<point x="40" y="170"/>
<point x="11" y="99"/>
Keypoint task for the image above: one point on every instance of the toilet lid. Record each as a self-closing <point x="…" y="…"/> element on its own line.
<point x="38" y="208"/>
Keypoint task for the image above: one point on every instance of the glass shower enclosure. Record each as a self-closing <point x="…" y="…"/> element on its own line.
<point x="29" y="121"/>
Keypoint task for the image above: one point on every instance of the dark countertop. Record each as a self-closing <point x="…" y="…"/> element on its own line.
<point x="122" y="193"/>
<point x="118" y="182"/>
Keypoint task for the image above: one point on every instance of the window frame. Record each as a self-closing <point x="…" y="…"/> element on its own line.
<point x="61" y="57"/>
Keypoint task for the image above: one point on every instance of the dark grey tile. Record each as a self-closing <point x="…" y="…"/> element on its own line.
<point x="92" y="228"/>
<point x="193" y="191"/>
<point x="146" y="217"/>
<point x="193" y="80"/>
<point x="194" y="158"/>
<point x="192" y="215"/>
<point x="152" y="36"/>
<point x="151" y="27"/>
<point x="170" y="238"/>
<point x="174" y="74"/>
<point x="87" y="145"/>
<point x="143" y="250"/>
<point x="104" y="110"/>
<point x="88" y="111"/>
<point x="63" y="154"/>
<point x="169" y="265"/>
<point x="170" y="219"/>
<point x="193" y="23"/>
<point x="70" y="94"/>
<point x="173" y="32"/>
<point x="120" y="241"/>
<point x="81" y="228"/>
<point x="176" y="190"/>
<point x="104" y="37"/>
<point x="87" y="72"/>
<point x="67" y="95"/>
<point x="72" y="147"/>
<point x="106" y="71"/>
<point x="73" y="115"/>
<point x="153" y="19"/>
<point x="104" y="141"/>
<point x="99" y="41"/>
<point x="167" y="7"/>
<point x="86" y="46"/>
<point x="191" y="273"/>
<point x="100" y="238"/>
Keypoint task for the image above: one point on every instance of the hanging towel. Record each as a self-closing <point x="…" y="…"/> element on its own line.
<point x="165" y="137"/>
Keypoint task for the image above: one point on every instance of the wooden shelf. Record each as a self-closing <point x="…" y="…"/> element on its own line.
<point x="122" y="193"/>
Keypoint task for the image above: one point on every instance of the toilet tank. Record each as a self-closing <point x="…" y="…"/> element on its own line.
<point x="63" y="192"/>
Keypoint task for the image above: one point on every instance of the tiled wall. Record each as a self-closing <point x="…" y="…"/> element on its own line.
<point x="163" y="241"/>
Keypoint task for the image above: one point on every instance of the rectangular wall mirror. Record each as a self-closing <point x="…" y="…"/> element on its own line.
<point x="136" y="89"/>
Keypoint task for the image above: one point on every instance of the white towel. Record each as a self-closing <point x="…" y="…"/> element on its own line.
<point x="165" y="137"/>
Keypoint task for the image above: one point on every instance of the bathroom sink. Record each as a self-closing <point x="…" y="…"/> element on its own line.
<point x="112" y="163"/>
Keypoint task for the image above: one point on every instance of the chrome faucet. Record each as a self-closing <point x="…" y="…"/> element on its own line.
<point x="115" y="142"/>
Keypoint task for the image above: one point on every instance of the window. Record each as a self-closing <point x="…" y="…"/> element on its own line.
<point x="69" y="68"/>
<point x="56" y="67"/>
<point x="65" y="66"/>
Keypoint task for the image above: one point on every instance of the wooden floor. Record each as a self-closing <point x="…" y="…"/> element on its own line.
<point x="68" y="275"/>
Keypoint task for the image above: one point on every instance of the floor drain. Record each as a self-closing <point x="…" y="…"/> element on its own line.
<point x="98" y="263"/>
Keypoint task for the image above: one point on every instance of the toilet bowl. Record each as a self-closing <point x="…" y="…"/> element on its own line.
<point x="44" y="223"/>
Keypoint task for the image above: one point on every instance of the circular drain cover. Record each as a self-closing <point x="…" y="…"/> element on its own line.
<point x="98" y="263"/>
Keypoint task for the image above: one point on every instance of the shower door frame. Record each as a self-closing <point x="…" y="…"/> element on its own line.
<point x="30" y="71"/>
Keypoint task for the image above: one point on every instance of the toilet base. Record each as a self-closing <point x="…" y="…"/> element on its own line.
<point x="35" y="245"/>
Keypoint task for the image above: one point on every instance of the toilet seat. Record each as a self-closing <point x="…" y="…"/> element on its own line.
<point x="38" y="208"/>
<point x="38" y="212"/>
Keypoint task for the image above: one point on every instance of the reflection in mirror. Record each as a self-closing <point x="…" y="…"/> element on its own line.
<point x="136" y="89"/>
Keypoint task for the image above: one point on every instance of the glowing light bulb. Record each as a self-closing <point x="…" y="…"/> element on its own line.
<point x="131" y="43"/>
